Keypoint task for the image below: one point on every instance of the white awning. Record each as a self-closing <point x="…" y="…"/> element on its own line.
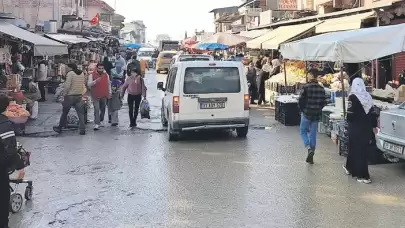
<point x="254" y="33"/>
<point x="274" y="38"/>
<point x="353" y="46"/>
<point x="343" y="23"/>
<point x="42" y="46"/>
<point x="68" y="39"/>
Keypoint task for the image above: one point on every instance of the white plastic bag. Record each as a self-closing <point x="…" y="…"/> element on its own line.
<point x="34" y="110"/>
<point x="144" y="109"/>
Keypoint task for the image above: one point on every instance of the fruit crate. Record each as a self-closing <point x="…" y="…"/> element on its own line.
<point x="343" y="146"/>
<point x="287" y="113"/>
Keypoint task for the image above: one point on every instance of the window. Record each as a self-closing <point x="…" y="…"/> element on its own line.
<point x="203" y="80"/>
<point x="166" y="55"/>
<point x="171" y="79"/>
<point x="194" y="59"/>
<point x="145" y="53"/>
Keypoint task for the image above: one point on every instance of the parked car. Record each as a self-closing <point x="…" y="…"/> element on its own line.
<point x="391" y="134"/>
<point x="163" y="61"/>
<point x="205" y="95"/>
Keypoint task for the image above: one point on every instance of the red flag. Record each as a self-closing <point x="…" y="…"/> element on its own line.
<point x="94" y="21"/>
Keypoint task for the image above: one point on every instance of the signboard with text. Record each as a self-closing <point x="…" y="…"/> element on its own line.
<point x="287" y="5"/>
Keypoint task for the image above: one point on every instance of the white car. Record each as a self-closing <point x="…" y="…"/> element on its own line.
<point x="205" y="95"/>
<point x="145" y="54"/>
<point x="184" y="58"/>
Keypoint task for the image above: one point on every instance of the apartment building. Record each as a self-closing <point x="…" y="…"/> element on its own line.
<point x="134" y="32"/>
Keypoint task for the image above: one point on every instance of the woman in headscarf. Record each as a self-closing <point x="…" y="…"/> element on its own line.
<point x="108" y="66"/>
<point x="361" y="119"/>
<point x="263" y="75"/>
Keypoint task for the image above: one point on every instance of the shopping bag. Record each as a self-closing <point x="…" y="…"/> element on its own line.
<point x="34" y="110"/>
<point x="144" y="109"/>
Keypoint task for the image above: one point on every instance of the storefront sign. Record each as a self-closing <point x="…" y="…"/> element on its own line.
<point x="105" y="26"/>
<point x="287" y="5"/>
<point x="253" y="12"/>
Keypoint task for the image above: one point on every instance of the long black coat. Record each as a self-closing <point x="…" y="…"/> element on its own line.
<point x="260" y="80"/>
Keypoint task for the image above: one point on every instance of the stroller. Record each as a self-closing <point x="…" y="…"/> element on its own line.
<point x="16" y="199"/>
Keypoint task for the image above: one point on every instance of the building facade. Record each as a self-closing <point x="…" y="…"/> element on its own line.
<point x="134" y="32"/>
<point x="222" y="18"/>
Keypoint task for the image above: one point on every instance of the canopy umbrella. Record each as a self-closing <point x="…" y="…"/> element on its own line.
<point x="228" y="39"/>
<point x="134" y="46"/>
<point x="211" y="46"/>
<point x="352" y="46"/>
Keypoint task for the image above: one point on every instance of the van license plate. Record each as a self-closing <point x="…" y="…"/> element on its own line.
<point x="394" y="148"/>
<point x="212" y="105"/>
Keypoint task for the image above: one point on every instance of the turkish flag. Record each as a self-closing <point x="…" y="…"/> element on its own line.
<point x="94" y="21"/>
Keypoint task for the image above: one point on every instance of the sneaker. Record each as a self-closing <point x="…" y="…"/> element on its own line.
<point x="82" y="132"/>
<point x="114" y="124"/>
<point x="364" y="181"/>
<point x="96" y="127"/>
<point x="57" y="129"/>
<point x="346" y="170"/>
<point x="310" y="157"/>
<point x="101" y="124"/>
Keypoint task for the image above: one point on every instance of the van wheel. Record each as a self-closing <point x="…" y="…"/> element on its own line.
<point x="163" y="118"/>
<point x="171" y="136"/>
<point x="242" y="132"/>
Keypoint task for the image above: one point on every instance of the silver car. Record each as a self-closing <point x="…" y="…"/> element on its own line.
<point x="391" y="135"/>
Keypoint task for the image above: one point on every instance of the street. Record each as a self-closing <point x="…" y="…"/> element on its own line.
<point x="121" y="178"/>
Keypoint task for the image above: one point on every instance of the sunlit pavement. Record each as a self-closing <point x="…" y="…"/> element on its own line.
<point x="122" y="178"/>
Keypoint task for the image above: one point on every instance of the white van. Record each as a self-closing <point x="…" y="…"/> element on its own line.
<point x="145" y="54"/>
<point x="205" y="95"/>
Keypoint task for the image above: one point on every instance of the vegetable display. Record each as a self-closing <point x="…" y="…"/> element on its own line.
<point x="15" y="110"/>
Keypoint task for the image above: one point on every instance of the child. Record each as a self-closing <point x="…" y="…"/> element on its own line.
<point x="115" y="102"/>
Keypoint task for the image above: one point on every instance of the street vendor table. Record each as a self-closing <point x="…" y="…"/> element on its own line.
<point x="287" y="111"/>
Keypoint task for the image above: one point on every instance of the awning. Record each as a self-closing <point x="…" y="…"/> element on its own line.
<point x="286" y="33"/>
<point x="42" y="46"/>
<point x="343" y="23"/>
<point x="254" y="33"/>
<point x="68" y="39"/>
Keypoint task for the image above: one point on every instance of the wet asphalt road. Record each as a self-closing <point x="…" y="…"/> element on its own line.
<point x="119" y="178"/>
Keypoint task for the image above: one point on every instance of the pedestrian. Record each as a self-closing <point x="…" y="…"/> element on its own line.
<point x="144" y="67"/>
<point x="100" y="90"/>
<point x="134" y="63"/>
<point x="42" y="78"/>
<point x="108" y="66"/>
<point x="260" y="82"/>
<point x="73" y="89"/>
<point x="136" y="88"/>
<point x="9" y="161"/>
<point x="361" y="119"/>
<point x="311" y="102"/>
<point x="251" y="78"/>
<point x="118" y="72"/>
<point x="115" y="102"/>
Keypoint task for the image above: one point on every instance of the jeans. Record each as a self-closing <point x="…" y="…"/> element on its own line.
<point x="133" y="111"/>
<point x="99" y="105"/>
<point x="69" y="102"/>
<point x="308" y="130"/>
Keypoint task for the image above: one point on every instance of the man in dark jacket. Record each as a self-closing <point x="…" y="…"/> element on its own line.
<point x="311" y="102"/>
<point x="9" y="160"/>
<point x="134" y="64"/>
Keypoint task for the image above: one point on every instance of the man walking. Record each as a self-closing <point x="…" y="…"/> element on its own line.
<point x="99" y="82"/>
<point x="311" y="102"/>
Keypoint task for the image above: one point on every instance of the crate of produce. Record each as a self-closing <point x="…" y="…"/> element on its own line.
<point x="343" y="146"/>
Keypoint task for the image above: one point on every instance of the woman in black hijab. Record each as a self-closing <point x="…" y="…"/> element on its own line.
<point x="107" y="66"/>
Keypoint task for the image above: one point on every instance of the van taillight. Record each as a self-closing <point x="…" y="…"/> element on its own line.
<point x="246" y="101"/>
<point x="176" y="104"/>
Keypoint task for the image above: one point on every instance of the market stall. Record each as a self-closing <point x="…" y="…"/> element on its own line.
<point x="354" y="46"/>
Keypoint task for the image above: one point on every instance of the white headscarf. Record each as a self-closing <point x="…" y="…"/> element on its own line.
<point x="359" y="90"/>
<point x="275" y="63"/>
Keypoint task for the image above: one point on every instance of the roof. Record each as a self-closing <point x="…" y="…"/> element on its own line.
<point x="323" y="16"/>
<point x="118" y="17"/>
<point x="42" y="46"/>
<point x="224" y="9"/>
<point x="68" y="39"/>
<point x="228" y="18"/>
<point x="102" y="4"/>
<point x="247" y="2"/>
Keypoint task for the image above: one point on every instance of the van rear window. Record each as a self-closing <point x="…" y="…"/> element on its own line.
<point x="194" y="59"/>
<point x="166" y="55"/>
<point x="203" y="80"/>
